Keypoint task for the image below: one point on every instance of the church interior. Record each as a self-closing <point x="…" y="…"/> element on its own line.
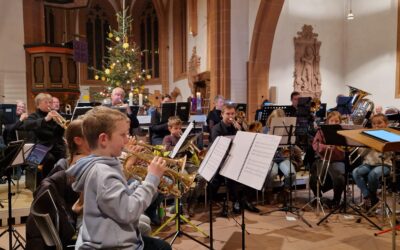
<point x="302" y="97"/>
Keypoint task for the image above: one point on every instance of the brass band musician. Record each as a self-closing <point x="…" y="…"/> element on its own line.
<point x="47" y="131"/>
<point x="228" y="126"/>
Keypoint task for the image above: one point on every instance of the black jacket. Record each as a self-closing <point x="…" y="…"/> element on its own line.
<point x="48" y="133"/>
<point x="64" y="198"/>
<point x="221" y="129"/>
<point x="158" y="130"/>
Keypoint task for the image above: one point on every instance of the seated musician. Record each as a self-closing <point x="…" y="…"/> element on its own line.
<point x="47" y="132"/>
<point x="368" y="175"/>
<point x="294" y="98"/>
<point x="117" y="100"/>
<point x="10" y="130"/>
<point x="214" y="116"/>
<point x="228" y="126"/>
<point x="158" y="129"/>
<point x="175" y="128"/>
<point x="336" y="168"/>
<point x="282" y="164"/>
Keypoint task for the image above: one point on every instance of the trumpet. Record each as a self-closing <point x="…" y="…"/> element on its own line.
<point x="60" y="120"/>
<point x="167" y="182"/>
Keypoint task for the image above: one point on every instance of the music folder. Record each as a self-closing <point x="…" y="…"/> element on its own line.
<point x="248" y="160"/>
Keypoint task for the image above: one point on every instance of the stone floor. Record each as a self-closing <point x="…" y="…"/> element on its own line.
<point x="277" y="230"/>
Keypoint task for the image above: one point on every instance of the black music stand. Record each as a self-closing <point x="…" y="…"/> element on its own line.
<point x="287" y="133"/>
<point x="183" y="110"/>
<point x="11" y="152"/>
<point x="333" y="138"/>
<point x="167" y="110"/>
<point x="78" y="111"/>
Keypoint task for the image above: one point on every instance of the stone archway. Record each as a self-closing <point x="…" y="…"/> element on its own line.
<point x="260" y="52"/>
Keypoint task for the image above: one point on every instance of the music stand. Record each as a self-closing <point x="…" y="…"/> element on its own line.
<point x="167" y="110"/>
<point x="11" y="151"/>
<point x="241" y="107"/>
<point x="183" y="110"/>
<point x="286" y="127"/>
<point x="134" y="109"/>
<point x="8" y="113"/>
<point x="78" y="111"/>
<point x="333" y="138"/>
<point x="304" y="107"/>
<point x="267" y="110"/>
<point x="35" y="158"/>
<point x="321" y="113"/>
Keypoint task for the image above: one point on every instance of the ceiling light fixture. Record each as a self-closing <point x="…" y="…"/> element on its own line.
<point x="350" y="15"/>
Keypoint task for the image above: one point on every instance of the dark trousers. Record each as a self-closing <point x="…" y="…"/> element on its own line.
<point x="153" y="244"/>
<point x="235" y="189"/>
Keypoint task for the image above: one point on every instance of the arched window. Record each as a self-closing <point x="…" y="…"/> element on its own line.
<point x="97" y="28"/>
<point x="180" y="38"/>
<point x="149" y="40"/>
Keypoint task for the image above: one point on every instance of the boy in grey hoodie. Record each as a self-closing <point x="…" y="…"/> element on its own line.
<point x="112" y="208"/>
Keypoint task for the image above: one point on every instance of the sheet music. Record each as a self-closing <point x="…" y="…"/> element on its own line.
<point x="181" y="140"/>
<point x="281" y="126"/>
<point x="215" y="155"/>
<point x="144" y="119"/>
<point x="250" y="158"/>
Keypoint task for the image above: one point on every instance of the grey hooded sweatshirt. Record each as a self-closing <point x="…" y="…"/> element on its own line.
<point x="111" y="208"/>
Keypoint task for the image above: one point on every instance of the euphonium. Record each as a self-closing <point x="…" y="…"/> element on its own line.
<point x="167" y="182"/>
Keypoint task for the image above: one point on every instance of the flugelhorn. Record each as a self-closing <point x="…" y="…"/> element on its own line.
<point x="169" y="180"/>
<point x="175" y="164"/>
<point x="60" y="120"/>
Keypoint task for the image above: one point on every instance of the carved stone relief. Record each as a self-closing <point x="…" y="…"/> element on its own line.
<point x="307" y="77"/>
<point x="194" y="68"/>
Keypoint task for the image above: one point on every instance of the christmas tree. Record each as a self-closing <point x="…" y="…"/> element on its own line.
<point x="122" y="67"/>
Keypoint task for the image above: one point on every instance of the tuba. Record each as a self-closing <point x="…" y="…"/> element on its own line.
<point x="361" y="105"/>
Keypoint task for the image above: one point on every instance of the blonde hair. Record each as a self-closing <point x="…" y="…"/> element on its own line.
<point x="255" y="127"/>
<point x="174" y="121"/>
<point x="40" y="97"/>
<point x="333" y="114"/>
<point x="100" y="120"/>
<point x="274" y="114"/>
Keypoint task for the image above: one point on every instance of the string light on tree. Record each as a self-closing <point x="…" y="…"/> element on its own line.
<point x="122" y="67"/>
